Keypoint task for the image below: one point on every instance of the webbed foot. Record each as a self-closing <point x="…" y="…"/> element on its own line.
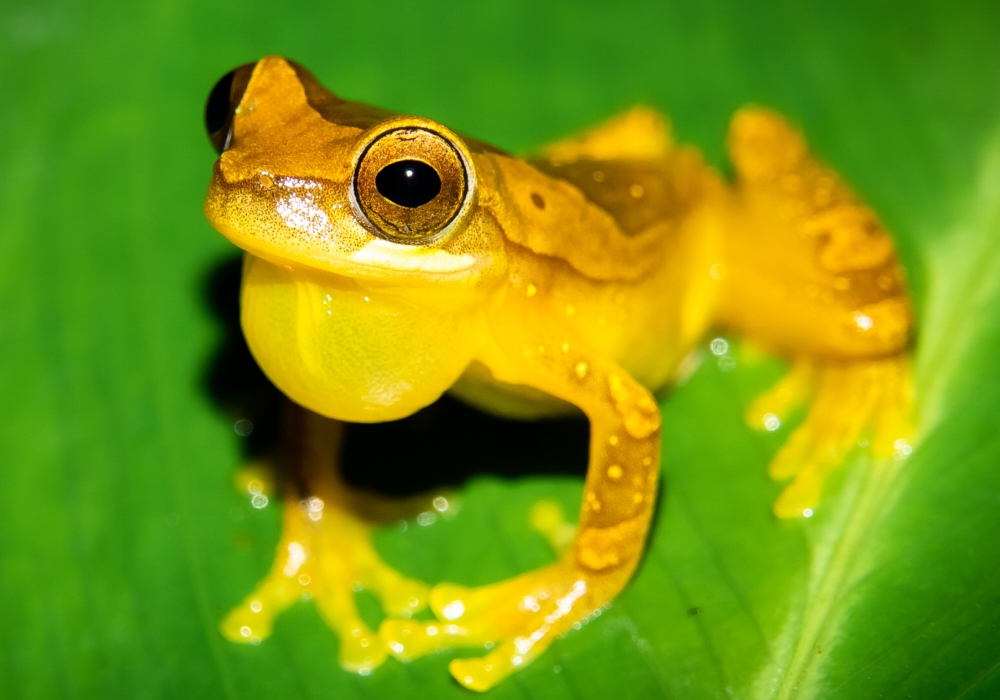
<point x="514" y="620"/>
<point x="866" y="403"/>
<point x="326" y="555"/>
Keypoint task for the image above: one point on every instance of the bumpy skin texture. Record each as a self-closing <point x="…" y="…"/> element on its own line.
<point x="582" y="277"/>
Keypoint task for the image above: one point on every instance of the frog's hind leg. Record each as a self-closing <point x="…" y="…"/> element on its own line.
<point x="807" y="268"/>
<point x="325" y="553"/>
<point x="810" y="272"/>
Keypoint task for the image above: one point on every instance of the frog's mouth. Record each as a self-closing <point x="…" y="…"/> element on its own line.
<point x="292" y="221"/>
<point x="376" y="259"/>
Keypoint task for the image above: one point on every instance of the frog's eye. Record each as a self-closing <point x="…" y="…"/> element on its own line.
<point x="410" y="184"/>
<point x="222" y="103"/>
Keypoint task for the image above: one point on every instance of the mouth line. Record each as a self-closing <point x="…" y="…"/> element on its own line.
<point x="377" y="260"/>
<point x="383" y="254"/>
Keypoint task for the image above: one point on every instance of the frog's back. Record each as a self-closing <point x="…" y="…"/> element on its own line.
<point x="607" y="238"/>
<point x="610" y="202"/>
<point x="630" y="168"/>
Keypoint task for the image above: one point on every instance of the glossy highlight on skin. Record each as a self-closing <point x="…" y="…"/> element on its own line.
<point x="582" y="277"/>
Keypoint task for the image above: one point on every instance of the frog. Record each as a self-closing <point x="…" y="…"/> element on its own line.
<point x="389" y="259"/>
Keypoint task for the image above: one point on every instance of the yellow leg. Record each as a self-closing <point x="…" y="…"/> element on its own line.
<point x="326" y="555"/>
<point x="808" y="268"/>
<point x="516" y="620"/>
<point x="409" y="640"/>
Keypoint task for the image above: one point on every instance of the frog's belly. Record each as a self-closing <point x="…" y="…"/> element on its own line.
<point x="477" y="387"/>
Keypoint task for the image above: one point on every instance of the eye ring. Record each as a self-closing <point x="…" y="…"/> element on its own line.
<point x="413" y="181"/>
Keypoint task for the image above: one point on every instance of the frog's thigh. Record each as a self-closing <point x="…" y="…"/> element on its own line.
<point x="807" y="266"/>
<point x="326" y="555"/>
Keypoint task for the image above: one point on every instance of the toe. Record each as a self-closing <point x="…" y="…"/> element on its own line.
<point x="454" y="603"/>
<point x="800" y="497"/>
<point x="400" y="596"/>
<point x="793" y="454"/>
<point x="361" y="650"/>
<point x="450" y="602"/>
<point x="408" y="640"/>
<point x="483" y="673"/>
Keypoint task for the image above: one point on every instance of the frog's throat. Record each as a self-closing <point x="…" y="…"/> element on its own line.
<point x="354" y="351"/>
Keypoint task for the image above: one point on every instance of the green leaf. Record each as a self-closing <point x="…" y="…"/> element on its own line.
<point x="122" y="539"/>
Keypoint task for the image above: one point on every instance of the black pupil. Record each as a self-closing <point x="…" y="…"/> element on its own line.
<point x="408" y="183"/>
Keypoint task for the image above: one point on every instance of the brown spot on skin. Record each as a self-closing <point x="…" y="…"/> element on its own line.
<point x="537" y="200"/>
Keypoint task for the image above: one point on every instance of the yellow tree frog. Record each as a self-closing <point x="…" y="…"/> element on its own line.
<point x="389" y="260"/>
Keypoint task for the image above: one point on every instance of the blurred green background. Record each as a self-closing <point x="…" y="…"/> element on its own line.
<point x="122" y="539"/>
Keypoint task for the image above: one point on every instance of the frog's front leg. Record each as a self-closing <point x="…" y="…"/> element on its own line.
<point x="325" y="553"/>
<point x="519" y="618"/>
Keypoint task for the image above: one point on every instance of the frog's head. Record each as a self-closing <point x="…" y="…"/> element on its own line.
<point x="370" y="256"/>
